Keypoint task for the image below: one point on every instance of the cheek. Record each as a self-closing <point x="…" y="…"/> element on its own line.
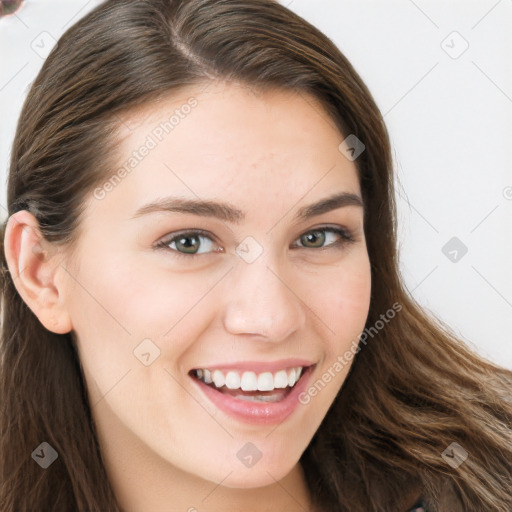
<point x="342" y="304"/>
<point x="126" y="304"/>
<point x="136" y="299"/>
<point x="342" y="300"/>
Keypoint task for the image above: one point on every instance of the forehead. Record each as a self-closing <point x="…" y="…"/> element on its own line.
<point x="228" y="141"/>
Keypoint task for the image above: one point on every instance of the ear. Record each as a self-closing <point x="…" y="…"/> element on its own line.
<point x="34" y="264"/>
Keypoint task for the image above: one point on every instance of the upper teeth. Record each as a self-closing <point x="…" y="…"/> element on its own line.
<point x="250" y="381"/>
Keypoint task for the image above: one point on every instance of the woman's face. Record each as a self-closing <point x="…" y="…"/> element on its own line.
<point x="242" y="289"/>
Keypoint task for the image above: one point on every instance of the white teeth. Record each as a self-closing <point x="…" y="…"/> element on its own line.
<point x="250" y="381"/>
<point x="281" y="379"/>
<point x="218" y="378"/>
<point x="265" y="381"/>
<point x="232" y="380"/>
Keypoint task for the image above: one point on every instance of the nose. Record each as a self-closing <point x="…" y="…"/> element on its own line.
<point x="259" y="300"/>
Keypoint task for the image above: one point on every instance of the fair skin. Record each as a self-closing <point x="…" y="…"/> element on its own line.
<point x="165" y="444"/>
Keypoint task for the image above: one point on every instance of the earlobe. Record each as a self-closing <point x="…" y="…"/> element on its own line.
<point x="33" y="263"/>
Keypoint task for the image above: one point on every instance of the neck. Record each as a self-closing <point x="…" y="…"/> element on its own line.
<point x="143" y="481"/>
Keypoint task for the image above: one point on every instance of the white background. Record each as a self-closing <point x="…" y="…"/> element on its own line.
<point x="450" y="119"/>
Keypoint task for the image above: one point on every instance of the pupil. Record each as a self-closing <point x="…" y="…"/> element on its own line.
<point x="318" y="236"/>
<point x="189" y="248"/>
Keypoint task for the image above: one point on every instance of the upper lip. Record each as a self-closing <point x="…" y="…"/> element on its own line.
<point x="258" y="366"/>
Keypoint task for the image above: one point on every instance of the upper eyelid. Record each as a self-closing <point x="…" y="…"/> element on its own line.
<point x="171" y="237"/>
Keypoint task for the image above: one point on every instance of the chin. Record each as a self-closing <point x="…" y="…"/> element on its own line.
<point x="251" y="478"/>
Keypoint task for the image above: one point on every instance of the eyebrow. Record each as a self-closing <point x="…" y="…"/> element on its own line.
<point x="227" y="212"/>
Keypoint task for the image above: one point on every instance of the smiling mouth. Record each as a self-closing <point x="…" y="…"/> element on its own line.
<point x="251" y="386"/>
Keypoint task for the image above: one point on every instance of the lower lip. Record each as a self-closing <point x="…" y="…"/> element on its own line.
<point x="263" y="413"/>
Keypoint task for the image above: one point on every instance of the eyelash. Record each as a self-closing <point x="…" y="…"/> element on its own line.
<point x="346" y="238"/>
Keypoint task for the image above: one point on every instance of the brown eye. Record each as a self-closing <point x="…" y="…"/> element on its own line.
<point x="313" y="239"/>
<point x="316" y="238"/>
<point x="190" y="243"/>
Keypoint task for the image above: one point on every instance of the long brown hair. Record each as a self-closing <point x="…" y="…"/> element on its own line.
<point x="414" y="388"/>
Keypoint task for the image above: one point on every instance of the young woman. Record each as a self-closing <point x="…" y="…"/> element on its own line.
<point x="201" y="302"/>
